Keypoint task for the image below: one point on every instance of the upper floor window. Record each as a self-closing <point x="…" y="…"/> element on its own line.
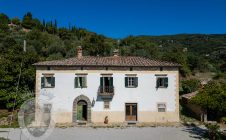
<point x="162" y="82"/>
<point x="131" y="81"/>
<point x="48" y="81"/>
<point x="81" y="81"/>
<point x="106" y="83"/>
<point x="161" y="107"/>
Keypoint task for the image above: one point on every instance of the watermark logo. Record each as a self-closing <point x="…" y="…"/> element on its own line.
<point x="36" y="120"/>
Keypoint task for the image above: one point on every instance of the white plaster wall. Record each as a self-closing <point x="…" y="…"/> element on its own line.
<point x="145" y="95"/>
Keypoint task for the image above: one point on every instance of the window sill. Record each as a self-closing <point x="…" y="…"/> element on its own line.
<point x="131" y="87"/>
<point x="80" y="87"/>
<point x="161" y="87"/>
<point x="48" y="87"/>
<point x="106" y="109"/>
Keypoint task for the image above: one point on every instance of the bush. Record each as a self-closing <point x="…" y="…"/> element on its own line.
<point x="16" y="21"/>
<point x="213" y="131"/>
<point x="188" y="86"/>
<point x="223" y="120"/>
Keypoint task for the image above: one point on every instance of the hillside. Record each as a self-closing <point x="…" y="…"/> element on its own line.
<point x="45" y="41"/>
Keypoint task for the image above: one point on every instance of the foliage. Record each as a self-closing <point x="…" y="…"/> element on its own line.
<point x="16" y="21"/>
<point x="4" y="19"/>
<point x="45" y="41"/>
<point x="189" y="86"/>
<point x="213" y="131"/>
<point x="223" y="120"/>
<point x="213" y="97"/>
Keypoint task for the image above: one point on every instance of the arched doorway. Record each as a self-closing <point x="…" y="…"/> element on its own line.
<point x="82" y="109"/>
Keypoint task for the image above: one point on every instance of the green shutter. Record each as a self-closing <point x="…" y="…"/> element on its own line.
<point x="111" y="81"/>
<point x="52" y="81"/>
<point x="42" y="82"/>
<point x="136" y="81"/>
<point x="166" y="82"/>
<point x="157" y="82"/>
<point x="76" y="82"/>
<point x="126" y="81"/>
<point x="101" y="81"/>
<point x="84" y="82"/>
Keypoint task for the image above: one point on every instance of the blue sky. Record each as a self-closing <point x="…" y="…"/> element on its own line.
<point x="120" y="18"/>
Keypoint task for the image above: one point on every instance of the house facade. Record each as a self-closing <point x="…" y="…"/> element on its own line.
<point x="113" y="89"/>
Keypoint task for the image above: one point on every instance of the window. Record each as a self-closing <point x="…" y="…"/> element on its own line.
<point x="131" y="82"/>
<point x="106" y="84"/>
<point x="106" y="104"/>
<point x="47" y="108"/>
<point x="162" y="107"/>
<point x="162" y="82"/>
<point x="81" y="81"/>
<point x="48" y="81"/>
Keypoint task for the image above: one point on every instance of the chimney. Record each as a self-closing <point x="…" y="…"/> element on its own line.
<point x="116" y="52"/>
<point x="79" y="51"/>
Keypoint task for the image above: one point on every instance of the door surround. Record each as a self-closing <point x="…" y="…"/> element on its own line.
<point x="74" y="109"/>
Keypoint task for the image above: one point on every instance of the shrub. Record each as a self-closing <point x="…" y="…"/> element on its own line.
<point x="188" y="86"/>
<point x="223" y="120"/>
<point x="213" y="131"/>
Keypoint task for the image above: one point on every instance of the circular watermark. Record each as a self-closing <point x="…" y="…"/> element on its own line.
<point x="35" y="121"/>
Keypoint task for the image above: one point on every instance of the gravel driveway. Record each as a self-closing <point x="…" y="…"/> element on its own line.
<point x="131" y="133"/>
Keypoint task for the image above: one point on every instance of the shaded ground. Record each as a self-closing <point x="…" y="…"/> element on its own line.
<point x="131" y="133"/>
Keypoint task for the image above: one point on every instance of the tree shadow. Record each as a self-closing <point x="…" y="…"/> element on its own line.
<point x="195" y="131"/>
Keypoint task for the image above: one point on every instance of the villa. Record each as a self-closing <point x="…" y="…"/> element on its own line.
<point x="113" y="89"/>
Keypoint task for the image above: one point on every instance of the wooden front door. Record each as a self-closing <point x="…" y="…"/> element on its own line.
<point x="131" y="112"/>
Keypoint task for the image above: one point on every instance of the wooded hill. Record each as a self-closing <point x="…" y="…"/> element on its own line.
<point x="46" y="41"/>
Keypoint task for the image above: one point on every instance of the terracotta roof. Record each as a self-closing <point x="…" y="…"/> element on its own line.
<point x="107" y="61"/>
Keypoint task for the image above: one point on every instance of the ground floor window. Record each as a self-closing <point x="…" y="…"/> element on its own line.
<point x="47" y="108"/>
<point x="161" y="107"/>
<point x="106" y="104"/>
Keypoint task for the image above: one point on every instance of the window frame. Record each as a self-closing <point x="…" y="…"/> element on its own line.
<point x="47" y="108"/>
<point x="104" y="103"/>
<point x="82" y="76"/>
<point x="52" y="81"/>
<point x="164" y="79"/>
<point x="165" y="107"/>
<point x="132" y="81"/>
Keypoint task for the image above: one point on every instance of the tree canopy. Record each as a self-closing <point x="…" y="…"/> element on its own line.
<point x="46" y="41"/>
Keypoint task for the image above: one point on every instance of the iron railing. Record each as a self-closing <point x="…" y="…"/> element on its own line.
<point x="106" y="90"/>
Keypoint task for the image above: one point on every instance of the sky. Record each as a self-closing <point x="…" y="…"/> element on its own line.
<point x="121" y="18"/>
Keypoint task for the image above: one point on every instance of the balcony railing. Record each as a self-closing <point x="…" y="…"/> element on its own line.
<point x="106" y="91"/>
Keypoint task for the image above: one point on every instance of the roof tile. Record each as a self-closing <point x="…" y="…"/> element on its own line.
<point x="107" y="61"/>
